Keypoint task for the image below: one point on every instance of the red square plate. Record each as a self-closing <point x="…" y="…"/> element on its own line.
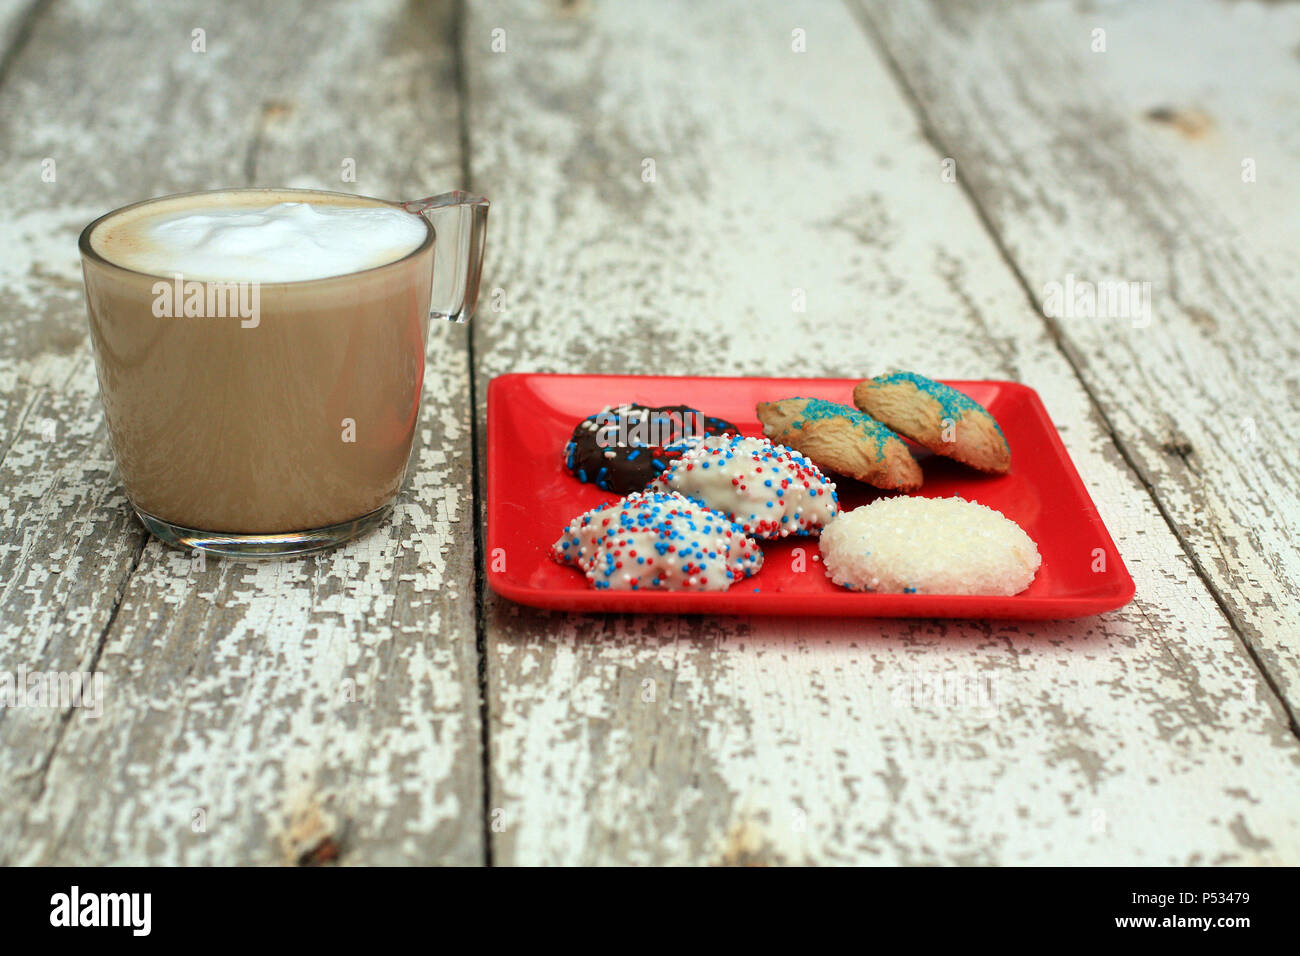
<point x="531" y="497"/>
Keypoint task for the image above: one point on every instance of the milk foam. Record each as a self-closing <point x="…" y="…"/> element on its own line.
<point x="270" y="242"/>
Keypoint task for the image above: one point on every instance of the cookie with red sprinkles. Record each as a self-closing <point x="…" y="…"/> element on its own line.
<point x="769" y="490"/>
<point x="650" y="541"/>
<point x="621" y="448"/>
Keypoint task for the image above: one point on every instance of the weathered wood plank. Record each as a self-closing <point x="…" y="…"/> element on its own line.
<point x="1142" y="736"/>
<point x="1167" y="157"/>
<point x="252" y="711"/>
<point x="15" y="17"/>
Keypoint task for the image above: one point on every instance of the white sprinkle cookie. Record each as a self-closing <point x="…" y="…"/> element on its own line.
<point x="769" y="490"/>
<point x="657" y="542"/>
<point x="842" y="439"/>
<point x="937" y="417"/>
<point x="908" y="545"/>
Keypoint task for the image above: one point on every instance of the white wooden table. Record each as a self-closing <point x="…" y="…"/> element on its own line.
<point x="920" y="174"/>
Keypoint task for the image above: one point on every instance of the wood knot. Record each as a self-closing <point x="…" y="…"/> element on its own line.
<point x="312" y="836"/>
<point x="744" y="845"/>
<point x="1189" y="123"/>
<point x="276" y="109"/>
<point x="326" y="851"/>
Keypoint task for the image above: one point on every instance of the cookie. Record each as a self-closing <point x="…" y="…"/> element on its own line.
<point x="769" y="490"/>
<point x="621" y="449"/>
<point x="657" y="542"/>
<point x="843" y="440"/>
<point x="937" y="417"/>
<point x="912" y="545"/>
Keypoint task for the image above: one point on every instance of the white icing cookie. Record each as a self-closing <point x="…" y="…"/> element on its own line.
<point x="769" y="490"/>
<point x="658" y="542"/>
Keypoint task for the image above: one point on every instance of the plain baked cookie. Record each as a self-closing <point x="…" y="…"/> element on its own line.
<point x="937" y="417"/>
<point x="843" y="440"/>
<point x="908" y="545"/>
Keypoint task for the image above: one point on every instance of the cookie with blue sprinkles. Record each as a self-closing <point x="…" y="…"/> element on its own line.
<point x="843" y="440"/>
<point x="937" y="417"/>
<point x="622" y="448"/>
<point x="661" y="542"/>
<point x="769" y="490"/>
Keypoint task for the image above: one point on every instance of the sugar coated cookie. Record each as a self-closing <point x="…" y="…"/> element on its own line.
<point x="621" y="449"/>
<point x="660" y="542"/>
<point x="928" y="546"/>
<point x="937" y="417"/>
<point x="769" y="490"/>
<point x="842" y="439"/>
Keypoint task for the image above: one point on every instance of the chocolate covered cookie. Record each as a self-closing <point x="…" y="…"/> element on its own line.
<point x="621" y="449"/>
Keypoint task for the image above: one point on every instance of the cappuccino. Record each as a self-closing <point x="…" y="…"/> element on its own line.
<point x="253" y="237"/>
<point x="272" y="436"/>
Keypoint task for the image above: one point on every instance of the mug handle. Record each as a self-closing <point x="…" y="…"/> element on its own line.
<point x="460" y="227"/>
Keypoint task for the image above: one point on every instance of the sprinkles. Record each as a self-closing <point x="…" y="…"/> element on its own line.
<point x="952" y="403"/>
<point x="818" y="409"/>
<point x="769" y="490"/>
<point x="660" y="542"/>
<point x="621" y="448"/>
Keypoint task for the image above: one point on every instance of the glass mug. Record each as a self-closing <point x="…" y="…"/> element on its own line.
<point x="288" y="428"/>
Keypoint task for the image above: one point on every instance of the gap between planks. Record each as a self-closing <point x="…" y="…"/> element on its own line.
<point x="22" y="32"/>
<point x="479" y="501"/>
<point x="119" y="596"/>
<point x="931" y="133"/>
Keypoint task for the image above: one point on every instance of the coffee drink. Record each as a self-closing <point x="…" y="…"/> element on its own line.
<point x="260" y="357"/>
<point x="258" y="237"/>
